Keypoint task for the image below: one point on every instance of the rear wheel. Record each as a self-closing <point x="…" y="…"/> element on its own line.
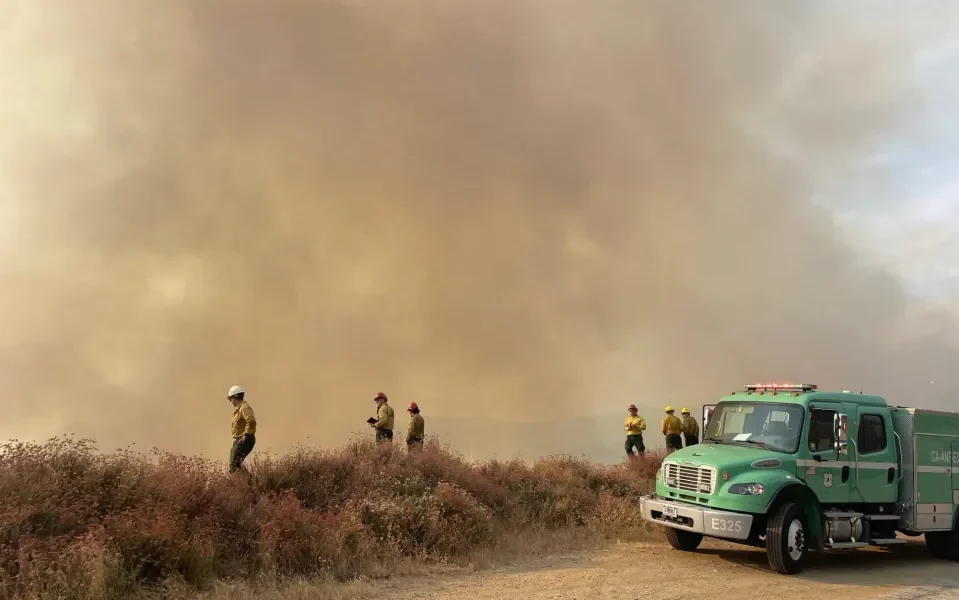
<point x="683" y="540"/>
<point x="943" y="544"/>
<point x="786" y="539"/>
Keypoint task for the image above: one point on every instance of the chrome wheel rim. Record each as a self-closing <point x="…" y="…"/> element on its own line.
<point x="795" y="540"/>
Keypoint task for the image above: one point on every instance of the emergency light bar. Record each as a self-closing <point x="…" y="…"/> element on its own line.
<point x="790" y="387"/>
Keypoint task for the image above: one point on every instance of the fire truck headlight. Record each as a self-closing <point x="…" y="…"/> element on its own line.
<point x="747" y="489"/>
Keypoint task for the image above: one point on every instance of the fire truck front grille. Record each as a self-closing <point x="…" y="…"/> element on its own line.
<point x="700" y="480"/>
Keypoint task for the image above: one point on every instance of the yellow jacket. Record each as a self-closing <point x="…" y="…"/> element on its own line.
<point x="384" y="417"/>
<point x="690" y="426"/>
<point x="634" y="425"/>
<point x="672" y="425"/>
<point x="243" y="421"/>
<point x="417" y="428"/>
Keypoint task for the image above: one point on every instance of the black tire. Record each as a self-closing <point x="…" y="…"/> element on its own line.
<point x="787" y="556"/>
<point x="943" y="544"/>
<point x="687" y="541"/>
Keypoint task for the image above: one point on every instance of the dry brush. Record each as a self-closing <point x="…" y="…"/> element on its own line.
<point x="76" y="523"/>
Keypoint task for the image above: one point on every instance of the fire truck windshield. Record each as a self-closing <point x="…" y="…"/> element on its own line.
<point x="772" y="426"/>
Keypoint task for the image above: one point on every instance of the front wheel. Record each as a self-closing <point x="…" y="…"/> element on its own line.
<point x="683" y="540"/>
<point x="943" y="544"/>
<point x="786" y="540"/>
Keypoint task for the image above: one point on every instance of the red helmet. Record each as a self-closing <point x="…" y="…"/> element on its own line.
<point x="380" y="396"/>
<point x="413" y="406"/>
<point x="632" y="407"/>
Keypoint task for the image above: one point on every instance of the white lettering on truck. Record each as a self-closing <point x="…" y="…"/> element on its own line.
<point x="730" y="525"/>
<point x="945" y="457"/>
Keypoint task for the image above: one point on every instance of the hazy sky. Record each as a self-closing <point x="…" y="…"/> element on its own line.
<point x="512" y="210"/>
<point x="899" y="203"/>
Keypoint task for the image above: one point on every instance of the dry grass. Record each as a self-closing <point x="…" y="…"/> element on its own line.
<point x="77" y="524"/>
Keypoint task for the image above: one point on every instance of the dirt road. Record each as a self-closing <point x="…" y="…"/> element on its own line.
<point x="717" y="570"/>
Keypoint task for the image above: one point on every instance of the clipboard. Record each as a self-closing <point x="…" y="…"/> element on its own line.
<point x="371" y="420"/>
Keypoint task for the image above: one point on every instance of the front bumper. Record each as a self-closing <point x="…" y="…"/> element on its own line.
<point x="712" y="523"/>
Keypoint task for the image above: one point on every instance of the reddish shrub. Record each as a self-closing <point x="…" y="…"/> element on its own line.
<point x="459" y="521"/>
<point x="295" y="540"/>
<point x="60" y="567"/>
<point x="153" y="542"/>
<point x="78" y="524"/>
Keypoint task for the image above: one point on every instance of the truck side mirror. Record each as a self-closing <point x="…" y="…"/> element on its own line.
<point x="707" y="412"/>
<point x="840" y="429"/>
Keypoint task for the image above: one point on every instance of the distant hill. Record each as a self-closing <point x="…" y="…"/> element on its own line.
<point x="599" y="438"/>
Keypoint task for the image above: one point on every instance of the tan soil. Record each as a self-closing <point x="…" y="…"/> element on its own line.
<point x="716" y="570"/>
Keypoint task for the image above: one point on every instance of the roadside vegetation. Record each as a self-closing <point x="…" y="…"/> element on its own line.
<point x="79" y="524"/>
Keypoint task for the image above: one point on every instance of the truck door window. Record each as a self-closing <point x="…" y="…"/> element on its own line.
<point x="821" y="435"/>
<point x="872" y="434"/>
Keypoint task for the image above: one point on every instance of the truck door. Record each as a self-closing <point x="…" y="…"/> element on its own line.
<point x="826" y="472"/>
<point x="874" y="456"/>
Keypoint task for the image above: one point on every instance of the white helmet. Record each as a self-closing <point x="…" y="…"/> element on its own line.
<point x="235" y="391"/>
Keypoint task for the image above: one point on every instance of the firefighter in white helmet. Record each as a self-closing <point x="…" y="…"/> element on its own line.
<point x="243" y="428"/>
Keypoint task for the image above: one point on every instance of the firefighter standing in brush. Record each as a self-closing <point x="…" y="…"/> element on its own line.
<point x="672" y="429"/>
<point x="416" y="432"/>
<point x="243" y="428"/>
<point x="690" y="429"/>
<point x="634" y="426"/>
<point x="384" y="419"/>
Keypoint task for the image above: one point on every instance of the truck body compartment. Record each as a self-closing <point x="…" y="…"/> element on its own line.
<point x="928" y="490"/>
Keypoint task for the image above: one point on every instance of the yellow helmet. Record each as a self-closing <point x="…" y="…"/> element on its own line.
<point x="669" y="408"/>
<point x="685" y="411"/>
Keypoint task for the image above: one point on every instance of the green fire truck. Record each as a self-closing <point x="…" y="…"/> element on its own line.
<point x="792" y="469"/>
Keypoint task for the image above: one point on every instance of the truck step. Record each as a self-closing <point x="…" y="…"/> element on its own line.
<point x="881" y="517"/>
<point x="844" y="545"/>
<point x="886" y="541"/>
<point x="842" y="515"/>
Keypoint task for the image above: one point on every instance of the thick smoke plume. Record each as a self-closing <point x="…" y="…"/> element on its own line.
<point x="519" y="210"/>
